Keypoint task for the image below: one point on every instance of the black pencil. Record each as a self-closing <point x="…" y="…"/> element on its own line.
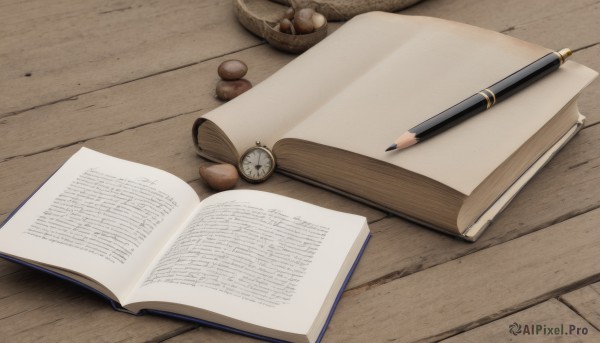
<point x="482" y="100"/>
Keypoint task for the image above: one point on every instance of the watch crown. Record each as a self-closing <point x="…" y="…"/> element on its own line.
<point x="257" y="143"/>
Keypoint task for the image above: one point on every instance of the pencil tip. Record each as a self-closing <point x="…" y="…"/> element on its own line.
<point x="404" y="141"/>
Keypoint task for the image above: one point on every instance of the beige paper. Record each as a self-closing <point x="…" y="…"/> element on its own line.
<point x="381" y="74"/>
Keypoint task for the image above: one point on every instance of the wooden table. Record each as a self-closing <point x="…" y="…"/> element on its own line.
<point x="128" y="78"/>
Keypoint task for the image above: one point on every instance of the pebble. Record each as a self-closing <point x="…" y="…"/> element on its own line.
<point x="227" y="90"/>
<point x="232" y="70"/>
<point x="220" y="177"/>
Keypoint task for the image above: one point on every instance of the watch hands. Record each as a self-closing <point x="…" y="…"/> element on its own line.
<point x="258" y="165"/>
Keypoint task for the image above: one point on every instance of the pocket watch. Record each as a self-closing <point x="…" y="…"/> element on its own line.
<point x="257" y="163"/>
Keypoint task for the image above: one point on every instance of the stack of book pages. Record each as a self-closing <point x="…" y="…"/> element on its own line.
<point x="329" y="115"/>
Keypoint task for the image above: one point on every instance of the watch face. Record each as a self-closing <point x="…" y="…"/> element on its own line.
<point x="257" y="164"/>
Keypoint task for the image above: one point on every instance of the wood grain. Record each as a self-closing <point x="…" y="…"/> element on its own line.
<point x="475" y="289"/>
<point x="551" y="314"/>
<point x="586" y="302"/>
<point x="208" y="335"/>
<point x="575" y="28"/>
<point x="35" y="307"/>
<point x="588" y="100"/>
<point x="500" y="15"/>
<point x="60" y="49"/>
<point x="128" y="106"/>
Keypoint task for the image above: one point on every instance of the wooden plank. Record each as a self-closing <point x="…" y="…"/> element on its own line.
<point x="208" y="335"/>
<point x="550" y="321"/>
<point x="586" y="302"/>
<point x="36" y="307"/>
<point x="453" y="297"/>
<point x="72" y="47"/>
<point x="560" y="191"/>
<point x="574" y="28"/>
<point x="589" y="101"/>
<point x="497" y="15"/>
<point x="7" y="268"/>
<point x="551" y="313"/>
<point x="127" y="106"/>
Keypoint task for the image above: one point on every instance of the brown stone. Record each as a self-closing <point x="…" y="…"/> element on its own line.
<point x="227" y="90"/>
<point x="220" y="177"/>
<point x="232" y="70"/>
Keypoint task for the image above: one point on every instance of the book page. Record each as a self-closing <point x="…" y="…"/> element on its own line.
<point x="435" y="65"/>
<point x="101" y="217"/>
<point x="274" y="106"/>
<point x="255" y="257"/>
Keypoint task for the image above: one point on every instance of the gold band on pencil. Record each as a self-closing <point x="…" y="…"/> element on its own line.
<point x="492" y="94"/>
<point x="487" y="98"/>
<point x="562" y="59"/>
<point x="563" y="54"/>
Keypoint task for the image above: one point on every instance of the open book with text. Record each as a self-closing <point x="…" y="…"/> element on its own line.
<point x="329" y="115"/>
<point x="247" y="261"/>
